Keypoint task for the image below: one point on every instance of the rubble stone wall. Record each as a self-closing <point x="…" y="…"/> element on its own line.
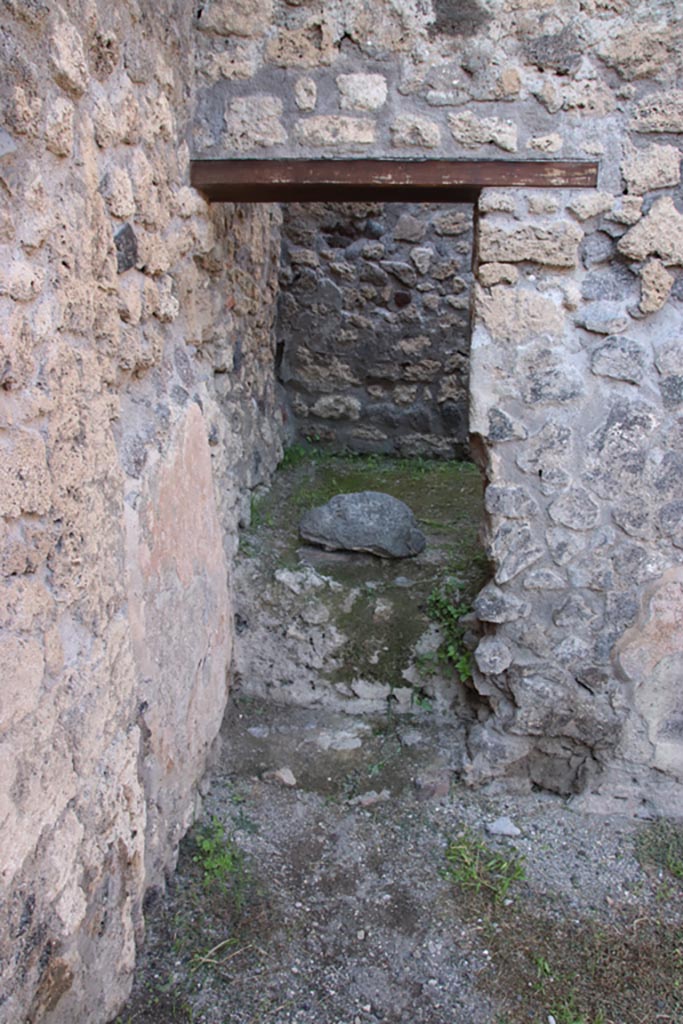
<point x="137" y="405"/>
<point x="576" y="378"/>
<point x="572" y="398"/>
<point x="373" y="325"/>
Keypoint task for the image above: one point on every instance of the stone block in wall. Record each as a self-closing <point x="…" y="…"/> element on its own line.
<point x="516" y="315"/>
<point x="591" y="204"/>
<point x="310" y="46"/>
<point x="403" y="272"/>
<point x="621" y="359"/>
<point x="359" y="91"/>
<point x="656" y="283"/>
<point x="490" y="274"/>
<point x="410" y="229"/>
<point x="550" y="144"/>
<point x="491" y="201"/>
<point x="423" y="370"/>
<point x="659" y="233"/>
<point x="627" y="210"/>
<point x="670" y="520"/>
<point x="557" y="51"/>
<point x="410" y="446"/>
<point x="544" y="578"/>
<point x="492" y="655"/>
<point x="660" y="112"/>
<point x="253" y="121"/>
<point x="117" y="189"/>
<point x="547" y="449"/>
<point x="616" y="457"/>
<point x="25" y="544"/>
<point x="510" y="502"/>
<point x="672" y="391"/>
<point x="493" y="604"/>
<point x="452" y="222"/>
<point x="335" y="130"/>
<point x="502" y="427"/>
<point x="603" y="318"/>
<point x="543" y="203"/>
<point x="59" y="127"/>
<point x="645" y="170"/>
<point x="611" y="284"/>
<point x="588" y="98"/>
<point x="555" y="244"/>
<point x="305" y="94"/>
<point x="336" y="407"/>
<point x="25" y="483"/>
<point x="669" y="356"/>
<point x="67" y="58"/>
<point x="514" y="549"/>
<point x="640" y="50"/>
<point x="452" y="387"/>
<point x="235" y="17"/>
<point x="575" y="612"/>
<point x="21" y="280"/>
<point x="238" y="60"/>
<point x="422" y="257"/>
<point x="473" y="132"/>
<point x="413" y="131"/>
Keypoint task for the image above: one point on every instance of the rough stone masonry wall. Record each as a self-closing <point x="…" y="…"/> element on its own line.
<point x="137" y="400"/>
<point x="577" y="401"/>
<point x="373" y="325"/>
<point x="577" y="368"/>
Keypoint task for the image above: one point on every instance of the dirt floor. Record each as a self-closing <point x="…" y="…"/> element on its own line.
<point x="342" y="874"/>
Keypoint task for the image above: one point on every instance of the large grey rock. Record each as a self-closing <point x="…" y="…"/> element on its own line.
<point x="364" y="521"/>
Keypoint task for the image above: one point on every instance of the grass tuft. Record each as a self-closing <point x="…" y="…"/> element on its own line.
<point x="472" y="865"/>
<point x="660" y="845"/>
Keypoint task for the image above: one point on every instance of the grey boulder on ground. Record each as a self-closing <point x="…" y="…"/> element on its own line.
<point x="364" y="521"/>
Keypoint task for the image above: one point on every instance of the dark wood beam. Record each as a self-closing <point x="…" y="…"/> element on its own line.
<point x="445" y="181"/>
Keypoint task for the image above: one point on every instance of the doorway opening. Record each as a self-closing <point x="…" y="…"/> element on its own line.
<point x="372" y="347"/>
<point x="372" y="340"/>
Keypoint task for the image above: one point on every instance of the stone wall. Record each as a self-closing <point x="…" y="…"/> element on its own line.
<point x="572" y="385"/>
<point x="137" y="405"/>
<point x="373" y="325"/>
<point x="576" y="374"/>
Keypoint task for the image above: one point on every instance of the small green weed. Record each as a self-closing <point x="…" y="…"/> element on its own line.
<point x="660" y="845"/>
<point x="543" y="968"/>
<point x="421" y="700"/>
<point x="566" y="1012"/>
<point x="295" y="455"/>
<point x="306" y="451"/>
<point x="474" y="866"/>
<point x="445" y="607"/>
<point x="221" y="862"/>
<point x="259" y="515"/>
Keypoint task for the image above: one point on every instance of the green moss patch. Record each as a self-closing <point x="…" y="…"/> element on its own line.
<point x="385" y="605"/>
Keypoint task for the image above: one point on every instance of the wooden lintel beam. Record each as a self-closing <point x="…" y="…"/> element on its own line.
<point x="272" y="181"/>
